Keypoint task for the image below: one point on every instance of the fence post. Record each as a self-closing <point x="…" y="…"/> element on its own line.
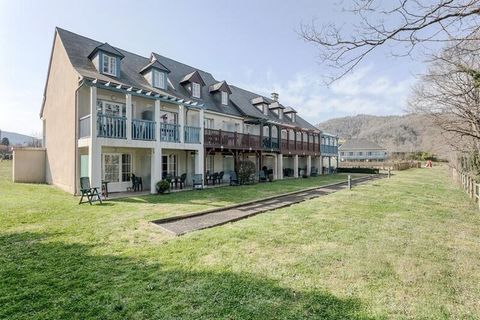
<point x="388" y="172"/>
<point x="349" y="182"/>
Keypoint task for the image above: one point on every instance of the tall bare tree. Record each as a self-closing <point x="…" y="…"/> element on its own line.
<point x="406" y="23"/>
<point x="449" y="93"/>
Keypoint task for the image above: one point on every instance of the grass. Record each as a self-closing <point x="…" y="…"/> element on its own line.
<point x="400" y="248"/>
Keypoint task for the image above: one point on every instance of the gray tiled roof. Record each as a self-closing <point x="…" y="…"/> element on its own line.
<point x="357" y="144"/>
<point x="155" y="64"/>
<point x="79" y="47"/>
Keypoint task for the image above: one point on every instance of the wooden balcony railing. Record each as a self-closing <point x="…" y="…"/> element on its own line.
<point x="111" y="126"/>
<point x="143" y="130"/>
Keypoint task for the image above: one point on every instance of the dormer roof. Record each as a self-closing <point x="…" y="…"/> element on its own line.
<point x="154" y="65"/>
<point x="193" y="77"/>
<point x="105" y="47"/>
<point x="289" y="110"/>
<point x="259" y="100"/>
<point x="276" y="105"/>
<point x="220" y="86"/>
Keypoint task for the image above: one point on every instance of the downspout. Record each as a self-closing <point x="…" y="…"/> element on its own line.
<point x="82" y="82"/>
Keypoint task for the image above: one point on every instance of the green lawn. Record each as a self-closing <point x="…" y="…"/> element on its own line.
<point x="405" y="247"/>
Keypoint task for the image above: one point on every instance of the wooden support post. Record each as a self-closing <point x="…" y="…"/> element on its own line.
<point x="349" y="182"/>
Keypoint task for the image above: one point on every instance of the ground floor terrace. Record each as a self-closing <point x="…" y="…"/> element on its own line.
<point x="401" y="248"/>
<point x="117" y="168"/>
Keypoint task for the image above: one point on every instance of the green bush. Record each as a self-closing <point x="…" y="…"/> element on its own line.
<point x="162" y="186"/>
<point x="246" y="170"/>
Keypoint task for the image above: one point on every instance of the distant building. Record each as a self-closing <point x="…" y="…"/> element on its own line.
<point x="362" y="151"/>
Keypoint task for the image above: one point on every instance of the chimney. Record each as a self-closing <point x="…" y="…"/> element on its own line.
<point x="274" y="96"/>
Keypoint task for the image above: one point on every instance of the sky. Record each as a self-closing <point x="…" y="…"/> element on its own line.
<point x="251" y="44"/>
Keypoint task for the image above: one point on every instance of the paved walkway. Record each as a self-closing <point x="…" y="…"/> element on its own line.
<point x="179" y="225"/>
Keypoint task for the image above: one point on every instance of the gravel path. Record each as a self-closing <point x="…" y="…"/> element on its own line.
<point x="201" y="220"/>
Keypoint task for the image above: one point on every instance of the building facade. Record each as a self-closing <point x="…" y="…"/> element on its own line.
<point x="359" y="150"/>
<point x="108" y="113"/>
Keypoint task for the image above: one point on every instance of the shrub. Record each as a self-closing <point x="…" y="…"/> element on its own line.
<point x="246" y="169"/>
<point x="162" y="186"/>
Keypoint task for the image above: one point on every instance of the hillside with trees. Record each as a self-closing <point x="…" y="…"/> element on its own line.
<point x="408" y="133"/>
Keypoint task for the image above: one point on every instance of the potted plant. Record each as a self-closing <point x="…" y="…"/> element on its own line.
<point x="163" y="186"/>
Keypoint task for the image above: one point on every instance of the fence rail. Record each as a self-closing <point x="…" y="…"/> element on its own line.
<point x="468" y="184"/>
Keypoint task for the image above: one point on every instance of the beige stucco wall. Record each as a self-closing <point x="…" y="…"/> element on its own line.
<point x="60" y="120"/>
<point x="219" y="120"/>
<point x="29" y="165"/>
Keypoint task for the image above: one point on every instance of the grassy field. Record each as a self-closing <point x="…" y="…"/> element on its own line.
<point x="399" y="248"/>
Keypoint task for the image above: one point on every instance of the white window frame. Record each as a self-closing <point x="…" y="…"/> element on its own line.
<point x="120" y="165"/>
<point x="110" y="67"/>
<point x="102" y="107"/>
<point x="225" y="98"/>
<point x="209" y="123"/>
<point x="159" y="79"/>
<point x="196" y="90"/>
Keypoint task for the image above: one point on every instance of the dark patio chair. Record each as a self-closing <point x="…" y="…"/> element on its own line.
<point x="214" y="177"/>
<point x="183" y="178"/>
<point x="220" y="177"/>
<point x="314" y="171"/>
<point x="197" y="181"/>
<point x="137" y="183"/>
<point x="261" y="176"/>
<point x="86" y="190"/>
<point x="233" y="178"/>
<point x="169" y="179"/>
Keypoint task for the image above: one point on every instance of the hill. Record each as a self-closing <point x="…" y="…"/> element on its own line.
<point x="16" y="138"/>
<point x="405" y="133"/>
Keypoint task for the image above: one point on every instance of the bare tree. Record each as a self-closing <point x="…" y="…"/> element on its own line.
<point x="449" y="94"/>
<point x="406" y="23"/>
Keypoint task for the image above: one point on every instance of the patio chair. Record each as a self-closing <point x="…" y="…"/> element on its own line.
<point x="137" y="183"/>
<point x="89" y="192"/>
<point x="233" y="178"/>
<point x="169" y="179"/>
<point x="220" y="177"/>
<point x="314" y="171"/>
<point x="261" y="176"/>
<point x="215" y="177"/>
<point x="183" y="178"/>
<point x="197" y="181"/>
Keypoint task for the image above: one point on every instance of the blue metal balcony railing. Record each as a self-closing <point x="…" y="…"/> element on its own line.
<point x="169" y="132"/>
<point x="325" y="149"/>
<point x="143" y="130"/>
<point x="111" y="126"/>
<point x="192" y="134"/>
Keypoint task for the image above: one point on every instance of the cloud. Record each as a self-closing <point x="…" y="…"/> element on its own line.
<point x="361" y="92"/>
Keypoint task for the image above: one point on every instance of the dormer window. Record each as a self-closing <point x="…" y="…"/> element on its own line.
<point x="156" y="74"/>
<point x="106" y="59"/>
<point x="224" y="98"/>
<point x="109" y="65"/>
<point x="195" y="90"/>
<point x="159" y="79"/>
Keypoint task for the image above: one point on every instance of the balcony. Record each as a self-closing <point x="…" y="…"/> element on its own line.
<point x="227" y="139"/>
<point x="192" y="134"/>
<point x="326" y="149"/>
<point x="84" y="127"/>
<point x="111" y="127"/>
<point x="169" y="132"/>
<point x="143" y="130"/>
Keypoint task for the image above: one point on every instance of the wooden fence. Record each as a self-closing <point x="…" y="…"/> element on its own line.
<point x="468" y="184"/>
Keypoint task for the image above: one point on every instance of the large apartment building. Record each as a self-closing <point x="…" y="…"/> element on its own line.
<point x="108" y="113"/>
